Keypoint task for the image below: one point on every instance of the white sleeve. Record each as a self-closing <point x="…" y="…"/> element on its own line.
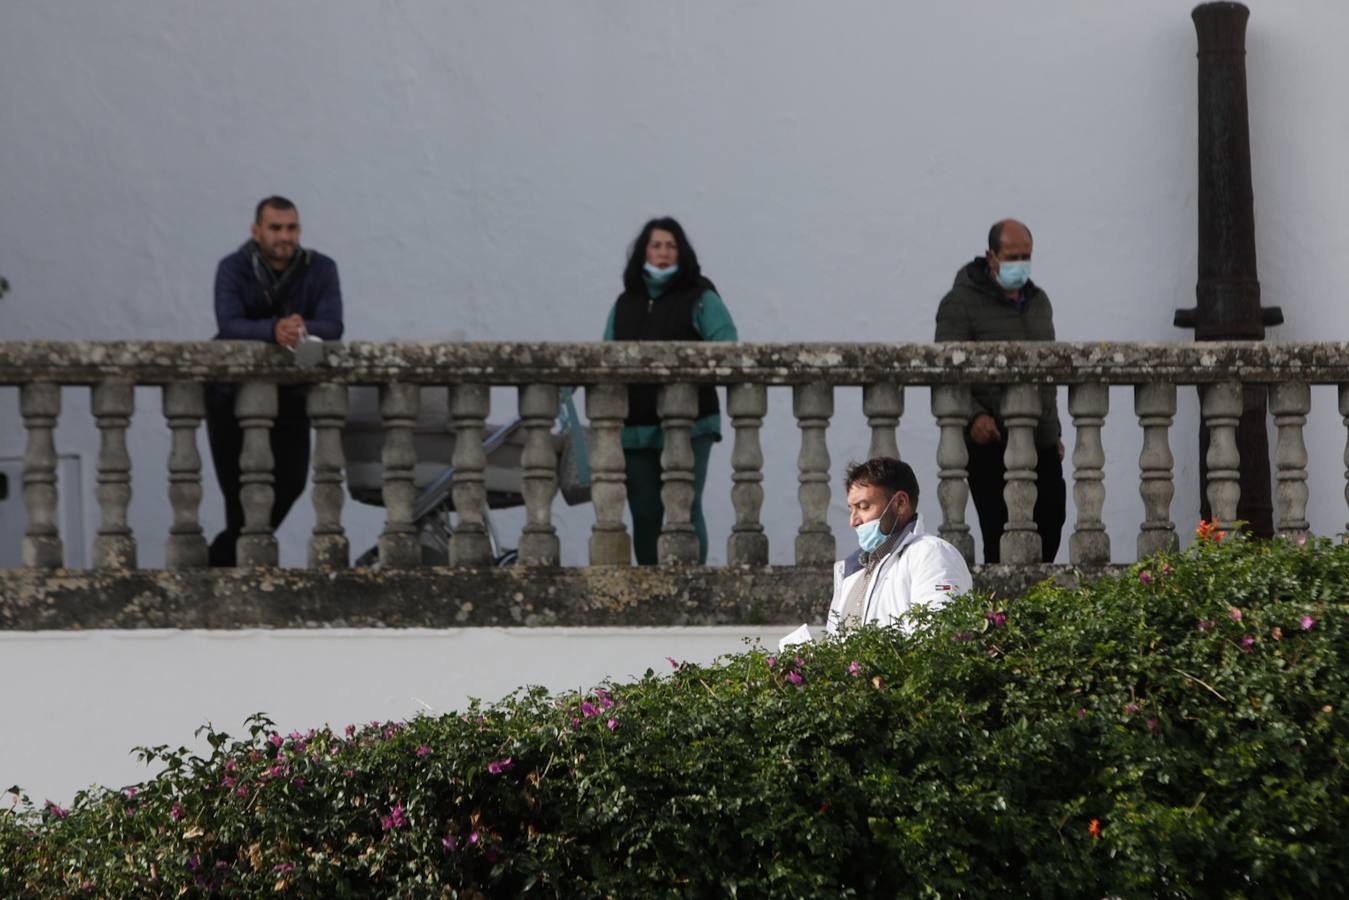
<point x="836" y="602"/>
<point x="938" y="573"/>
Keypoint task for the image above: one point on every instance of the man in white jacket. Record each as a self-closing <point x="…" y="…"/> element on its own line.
<point x="899" y="565"/>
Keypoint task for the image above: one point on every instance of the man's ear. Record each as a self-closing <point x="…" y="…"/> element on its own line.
<point x="890" y="516"/>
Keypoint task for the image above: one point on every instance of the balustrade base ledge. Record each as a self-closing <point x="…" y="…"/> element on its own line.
<point x="521" y="596"/>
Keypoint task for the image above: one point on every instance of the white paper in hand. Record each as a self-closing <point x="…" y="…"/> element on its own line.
<point x="799" y="636"/>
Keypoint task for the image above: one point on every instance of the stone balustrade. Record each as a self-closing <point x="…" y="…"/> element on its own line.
<point x="812" y="371"/>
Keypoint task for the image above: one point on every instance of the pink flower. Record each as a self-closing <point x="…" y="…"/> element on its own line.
<point x="771" y="661"/>
<point x="1203" y="625"/>
<point x="283" y="867"/>
<point x="1166" y="569"/>
<point x="589" y="709"/>
<point x="795" y="677"/>
<point x="996" y="617"/>
<point x="241" y="791"/>
<point x="1130" y="708"/>
<point x="1145" y="577"/>
<point x="350" y="730"/>
<point x="176" y="811"/>
<point x="130" y="792"/>
<point x="395" y="818"/>
<point x="855" y="669"/>
<point x="1081" y="712"/>
<point x="1234" y="613"/>
<point x="449" y="843"/>
<point x="499" y="766"/>
<point x="1248" y="642"/>
<point x="1308" y="623"/>
<point x="297" y="781"/>
<point x="800" y="662"/>
<point x="611" y="724"/>
<point x="276" y="740"/>
<point x="671" y="660"/>
<point x="231" y="765"/>
<point x="423" y="750"/>
<point x="57" y="811"/>
<point x="1302" y="540"/>
<point x="473" y="838"/>
<point x="1152" y="726"/>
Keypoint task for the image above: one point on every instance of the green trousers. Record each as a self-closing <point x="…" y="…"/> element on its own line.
<point x="648" y="513"/>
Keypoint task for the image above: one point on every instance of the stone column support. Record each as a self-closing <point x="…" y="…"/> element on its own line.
<point x="539" y="545"/>
<point x="1344" y="418"/>
<point x="1021" y="539"/>
<point x="813" y="406"/>
<point x="1089" y="404"/>
<point x="255" y="406"/>
<point x="470" y="544"/>
<point x="40" y="406"/>
<point x="950" y="407"/>
<point x="1155" y="406"/>
<point x="113" y="402"/>
<point x="184" y="407"/>
<point x="607" y="407"/>
<point x="747" y="545"/>
<point x="883" y="404"/>
<point x="328" y="544"/>
<point x="678" y="542"/>
<point x="1289" y="402"/>
<point x="398" y="544"/>
<point x="1222" y="406"/>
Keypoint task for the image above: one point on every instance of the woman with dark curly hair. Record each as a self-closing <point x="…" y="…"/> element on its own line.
<point x="665" y="298"/>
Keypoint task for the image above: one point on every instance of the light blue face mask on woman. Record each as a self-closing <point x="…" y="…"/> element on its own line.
<point x="658" y="273"/>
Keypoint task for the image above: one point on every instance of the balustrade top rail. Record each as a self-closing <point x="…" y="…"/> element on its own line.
<point x="519" y="363"/>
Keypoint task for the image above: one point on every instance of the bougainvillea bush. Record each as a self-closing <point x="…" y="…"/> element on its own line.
<point x="1176" y="730"/>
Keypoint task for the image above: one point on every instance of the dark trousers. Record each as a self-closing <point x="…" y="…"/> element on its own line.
<point x="290" y="455"/>
<point x="648" y="512"/>
<point x="986" y="483"/>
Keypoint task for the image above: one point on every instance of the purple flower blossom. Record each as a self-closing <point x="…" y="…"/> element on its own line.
<point x="283" y="867"/>
<point x="1203" y="625"/>
<point x="1166" y="569"/>
<point x="176" y="811"/>
<point x="297" y="781"/>
<point x="611" y="724"/>
<point x="241" y="791"/>
<point x="771" y="661"/>
<point x="855" y="669"/>
<point x="350" y="730"/>
<point x="1234" y="613"/>
<point x="589" y="709"/>
<point x="1302" y="540"/>
<point x="795" y="677"/>
<point x="1152" y="726"/>
<point x="423" y="750"/>
<point x="1308" y="623"/>
<point x="57" y="811"/>
<point x="1248" y="642"/>
<point x="996" y="617"/>
<point x="449" y="843"/>
<point x="131" y="792"/>
<point x="473" y="838"/>
<point x="1081" y="712"/>
<point x="395" y="818"/>
<point x="1130" y="709"/>
<point x="498" y="766"/>
<point x="276" y="740"/>
<point x="1145" y="577"/>
<point x="231" y="765"/>
<point x="671" y="660"/>
<point x="800" y="662"/>
<point x="228" y="782"/>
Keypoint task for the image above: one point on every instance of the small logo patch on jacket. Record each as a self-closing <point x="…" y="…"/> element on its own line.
<point x="943" y="587"/>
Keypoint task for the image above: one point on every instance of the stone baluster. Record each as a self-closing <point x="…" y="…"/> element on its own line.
<point x="1221" y="406"/>
<point x="1089" y="404"/>
<point x="1290" y="402"/>
<point x="398" y="544"/>
<point x="255" y="407"/>
<point x="184" y="407"/>
<point x="950" y="407"/>
<point x="114" y="544"/>
<point x="1344" y="419"/>
<point x="813" y="405"/>
<point x="470" y="544"/>
<point x="883" y="404"/>
<point x="678" y="542"/>
<point x="747" y="545"/>
<point x="328" y="544"/>
<point x="1020" y="543"/>
<point x="40" y="405"/>
<point x="1155" y="406"/>
<point x="607" y="407"/>
<point x="538" y="409"/>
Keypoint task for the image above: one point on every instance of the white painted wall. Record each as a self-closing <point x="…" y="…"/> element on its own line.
<point x="480" y="167"/>
<point x="102" y="693"/>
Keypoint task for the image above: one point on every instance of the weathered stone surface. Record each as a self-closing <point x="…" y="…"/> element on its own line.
<point x="67" y="599"/>
<point x="163" y="362"/>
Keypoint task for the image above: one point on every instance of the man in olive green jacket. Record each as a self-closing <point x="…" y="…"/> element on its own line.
<point x="993" y="299"/>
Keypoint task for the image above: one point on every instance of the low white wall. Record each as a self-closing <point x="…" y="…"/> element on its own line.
<point x="75" y="703"/>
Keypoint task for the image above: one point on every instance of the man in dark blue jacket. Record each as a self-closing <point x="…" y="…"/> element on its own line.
<point x="270" y="289"/>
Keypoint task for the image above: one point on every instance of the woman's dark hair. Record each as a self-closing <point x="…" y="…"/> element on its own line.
<point x="689" y="273"/>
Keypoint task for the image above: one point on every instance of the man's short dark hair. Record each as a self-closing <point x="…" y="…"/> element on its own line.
<point x="995" y="235"/>
<point x="886" y="473"/>
<point x="273" y="202"/>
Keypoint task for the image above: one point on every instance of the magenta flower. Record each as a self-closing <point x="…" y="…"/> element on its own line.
<point x="1152" y="726"/>
<point x="1145" y="577"/>
<point x="1234" y="613"/>
<point x="771" y="661"/>
<point x="996" y="617"/>
<point x="241" y="791"/>
<point x="283" y="867"/>
<point x="589" y="709"/>
<point x="276" y="740"/>
<point x="1166" y="569"/>
<point x="176" y="811"/>
<point x="395" y="818"/>
<point x="1308" y="623"/>
<point x="498" y="766"/>
<point x="1248" y="642"/>
<point x="449" y="843"/>
<point x="672" y="661"/>
<point x="1203" y="625"/>
<point x="57" y="811"/>
<point x="473" y="838"/>
<point x="423" y="750"/>
<point x="130" y="792"/>
<point x="855" y="669"/>
<point x="611" y="724"/>
<point x="231" y="765"/>
<point x="795" y="677"/>
<point x="1081" y="712"/>
<point x="1130" y="708"/>
<point x="350" y="730"/>
<point x="297" y="781"/>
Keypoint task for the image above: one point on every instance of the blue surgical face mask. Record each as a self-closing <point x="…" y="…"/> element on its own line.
<point x="1013" y="275"/>
<point x="660" y="274"/>
<point x="869" y="535"/>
